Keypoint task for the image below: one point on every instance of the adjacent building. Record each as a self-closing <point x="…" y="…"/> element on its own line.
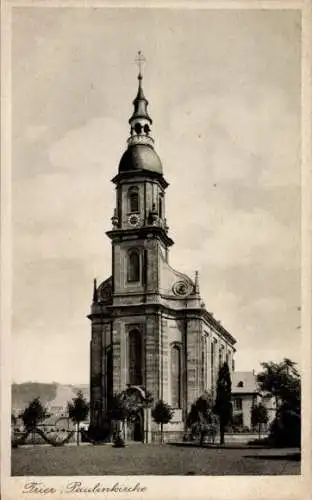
<point x="245" y="394"/>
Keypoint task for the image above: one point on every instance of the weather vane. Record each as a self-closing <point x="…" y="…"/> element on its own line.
<point x="140" y="59"/>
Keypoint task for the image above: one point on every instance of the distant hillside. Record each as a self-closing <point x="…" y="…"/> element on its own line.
<point x="53" y="394"/>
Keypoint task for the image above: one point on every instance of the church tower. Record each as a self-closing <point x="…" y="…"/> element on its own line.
<point x="140" y="231"/>
<point x="150" y="329"/>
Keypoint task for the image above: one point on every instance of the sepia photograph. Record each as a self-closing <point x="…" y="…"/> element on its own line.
<point x="156" y="245"/>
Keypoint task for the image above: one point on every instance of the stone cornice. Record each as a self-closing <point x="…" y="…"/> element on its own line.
<point x="141" y="232"/>
<point x="152" y="308"/>
<point x="140" y="175"/>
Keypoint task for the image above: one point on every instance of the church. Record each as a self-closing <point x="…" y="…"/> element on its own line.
<point x="150" y="328"/>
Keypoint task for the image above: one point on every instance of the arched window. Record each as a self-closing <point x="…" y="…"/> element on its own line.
<point x="203" y="364"/>
<point x="206" y="372"/>
<point x="133" y="266"/>
<point x="133" y="197"/>
<point x="135" y="358"/>
<point x="160" y="207"/>
<point x="220" y="358"/>
<point x="212" y="363"/>
<point x="176" y="376"/>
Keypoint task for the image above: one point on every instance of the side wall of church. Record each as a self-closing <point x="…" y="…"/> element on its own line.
<point x="172" y="334"/>
<point x="194" y="362"/>
<point x="216" y="350"/>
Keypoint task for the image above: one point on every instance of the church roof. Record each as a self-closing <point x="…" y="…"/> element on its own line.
<point x="140" y="157"/>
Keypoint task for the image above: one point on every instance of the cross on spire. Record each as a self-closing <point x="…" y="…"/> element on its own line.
<point x="140" y="60"/>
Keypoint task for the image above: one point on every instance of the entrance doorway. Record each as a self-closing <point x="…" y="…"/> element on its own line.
<point x="135" y="428"/>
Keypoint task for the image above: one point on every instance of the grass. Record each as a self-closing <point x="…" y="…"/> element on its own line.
<point x="153" y="459"/>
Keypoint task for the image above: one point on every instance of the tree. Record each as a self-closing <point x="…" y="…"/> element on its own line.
<point x="34" y="413"/>
<point x="162" y="413"/>
<point x="259" y="415"/>
<point x="282" y="381"/>
<point x="223" y="405"/>
<point x="201" y="419"/>
<point x="78" y="411"/>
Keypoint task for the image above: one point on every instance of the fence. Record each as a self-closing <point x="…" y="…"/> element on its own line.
<point x="168" y="436"/>
<point x="36" y="438"/>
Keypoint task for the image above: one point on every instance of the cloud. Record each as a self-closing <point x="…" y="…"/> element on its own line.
<point x="225" y="137"/>
<point x="34" y="132"/>
<point x="239" y="239"/>
<point x="96" y="143"/>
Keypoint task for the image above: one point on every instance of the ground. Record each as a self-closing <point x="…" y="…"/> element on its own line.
<point x="141" y="459"/>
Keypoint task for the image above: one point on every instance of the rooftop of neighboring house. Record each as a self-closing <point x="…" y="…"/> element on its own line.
<point x="244" y="383"/>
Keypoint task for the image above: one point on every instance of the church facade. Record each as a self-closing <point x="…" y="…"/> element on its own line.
<point x="150" y="328"/>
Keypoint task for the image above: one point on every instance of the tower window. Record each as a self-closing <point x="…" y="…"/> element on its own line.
<point x="133" y="266"/>
<point x="133" y="197"/>
<point x="135" y="358"/>
<point x="138" y="128"/>
<point x="176" y="376"/>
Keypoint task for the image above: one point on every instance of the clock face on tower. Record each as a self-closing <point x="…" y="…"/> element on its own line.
<point x="134" y="220"/>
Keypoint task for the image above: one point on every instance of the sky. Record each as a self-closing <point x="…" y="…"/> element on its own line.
<point x="224" y="94"/>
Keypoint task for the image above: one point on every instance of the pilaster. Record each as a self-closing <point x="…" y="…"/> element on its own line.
<point x="152" y="356"/>
<point x="116" y="356"/>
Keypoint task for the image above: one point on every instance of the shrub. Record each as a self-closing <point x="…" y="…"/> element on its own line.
<point x="285" y="429"/>
<point x="259" y="442"/>
<point x="245" y="429"/>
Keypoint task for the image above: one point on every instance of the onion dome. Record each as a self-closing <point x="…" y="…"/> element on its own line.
<point x="140" y="154"/>
<point x="140" y="157"/>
